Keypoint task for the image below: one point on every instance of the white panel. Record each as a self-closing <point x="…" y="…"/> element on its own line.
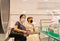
<point x="49" y="0"/>
<point x="33" y="6"/>
<point x="49" y="5"/>
<point x="18" y="6"/>
<point x="30" y="6"/>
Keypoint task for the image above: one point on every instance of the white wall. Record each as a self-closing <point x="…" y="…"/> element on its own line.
<point x="28" y="7"/>
<point x="31" y="6"/>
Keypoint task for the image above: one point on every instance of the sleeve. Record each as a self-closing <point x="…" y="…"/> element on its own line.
<point x="17" y="23"/>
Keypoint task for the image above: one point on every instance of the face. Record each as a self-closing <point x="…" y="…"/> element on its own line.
<point x="23" y="18"/>
<point x="30" y="20"/>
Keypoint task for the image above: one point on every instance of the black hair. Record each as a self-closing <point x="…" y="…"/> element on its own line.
<point x="22" y="15"/>
<point x="29" y="18"/>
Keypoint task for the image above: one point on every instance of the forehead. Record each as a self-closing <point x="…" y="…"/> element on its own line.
<point x="30" y="18"/>
<point x="23" y="16"/>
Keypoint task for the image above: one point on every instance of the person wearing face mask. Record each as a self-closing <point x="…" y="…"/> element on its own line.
<point x="19" y="27"/>
<point x="29" y="26"/>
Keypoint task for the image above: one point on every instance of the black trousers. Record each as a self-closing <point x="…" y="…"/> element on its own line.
<point x="20" y="38"/>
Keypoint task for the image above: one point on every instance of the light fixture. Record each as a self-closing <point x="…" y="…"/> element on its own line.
<point x="24" y="0"/>
<point x="45" y="0"/>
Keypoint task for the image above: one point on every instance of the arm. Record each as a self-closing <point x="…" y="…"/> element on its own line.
<point x="19" y="30"/>
<point x="33" y="28"/>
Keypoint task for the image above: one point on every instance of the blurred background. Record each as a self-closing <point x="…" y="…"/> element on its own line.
<point x="10" y="11"/>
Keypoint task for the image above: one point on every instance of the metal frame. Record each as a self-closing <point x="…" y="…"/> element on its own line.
<point x="44" y="22"/>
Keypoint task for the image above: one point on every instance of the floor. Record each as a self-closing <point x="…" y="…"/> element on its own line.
<point x="34" y="37"/>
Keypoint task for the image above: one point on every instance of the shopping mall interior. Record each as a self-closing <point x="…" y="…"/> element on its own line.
<point x="45" y="13"/>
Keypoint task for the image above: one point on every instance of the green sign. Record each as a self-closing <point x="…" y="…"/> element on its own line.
<point x="59" y="21"/>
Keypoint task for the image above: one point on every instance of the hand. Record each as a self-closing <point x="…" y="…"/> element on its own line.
<point x="34" y="30"/>
<point x="27" y="33"/>
<point x="24" y="32"/>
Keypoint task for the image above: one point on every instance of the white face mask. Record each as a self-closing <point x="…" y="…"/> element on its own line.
<point x="23" y="20"/>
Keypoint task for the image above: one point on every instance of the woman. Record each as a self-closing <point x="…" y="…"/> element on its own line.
<point x="19" y="24"/>
<point x="34" y="36"/>
<point x="29" y="26"/>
